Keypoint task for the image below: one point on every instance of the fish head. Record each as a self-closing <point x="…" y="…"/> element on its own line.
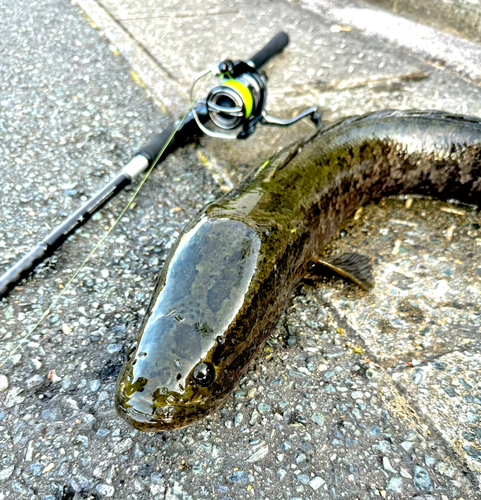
<point x="180" y="367"/>
<point x="169" y="391"/>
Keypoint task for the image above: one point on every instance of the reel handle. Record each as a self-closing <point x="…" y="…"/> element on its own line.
<point x="274" y="47"/>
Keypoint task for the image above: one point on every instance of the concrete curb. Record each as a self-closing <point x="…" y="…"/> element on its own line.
<point x="169" y="95"/>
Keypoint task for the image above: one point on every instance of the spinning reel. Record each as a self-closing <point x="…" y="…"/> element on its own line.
<point x="237" y="105"/>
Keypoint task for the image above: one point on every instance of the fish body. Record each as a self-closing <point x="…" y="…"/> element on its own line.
<point x="230" y="274"/>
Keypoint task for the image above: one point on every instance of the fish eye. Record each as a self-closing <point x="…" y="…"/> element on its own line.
<point x="204" y="374"/>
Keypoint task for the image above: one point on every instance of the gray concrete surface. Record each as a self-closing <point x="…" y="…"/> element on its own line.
<point x="462" y="17"/>
<point x="357" y="395"/>
<point x="435" y="47"/>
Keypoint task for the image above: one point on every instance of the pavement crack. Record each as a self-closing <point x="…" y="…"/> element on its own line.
<point x="386" y="82"/>
<point x="181" y="15"/>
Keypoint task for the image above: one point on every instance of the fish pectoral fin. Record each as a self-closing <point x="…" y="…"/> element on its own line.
<point x="354" y="266"/>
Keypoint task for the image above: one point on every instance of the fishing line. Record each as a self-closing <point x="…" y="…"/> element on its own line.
<point x="106" y="234"/>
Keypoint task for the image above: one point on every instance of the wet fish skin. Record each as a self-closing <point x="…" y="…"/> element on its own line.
<point x="230" y="274"/>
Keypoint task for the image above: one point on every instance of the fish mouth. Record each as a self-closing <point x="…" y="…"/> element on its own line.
<point x="151" y="412"/>
<point x="159" y="418"/>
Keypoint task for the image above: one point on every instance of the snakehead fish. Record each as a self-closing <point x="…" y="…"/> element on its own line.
<point x="231" y="272"/>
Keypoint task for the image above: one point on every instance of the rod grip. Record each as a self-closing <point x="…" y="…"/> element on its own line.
<point x="185" y="131"/>
<point x="275" y="46"/>
<point x="22" y="268"/>
<point x="155" y="146"/>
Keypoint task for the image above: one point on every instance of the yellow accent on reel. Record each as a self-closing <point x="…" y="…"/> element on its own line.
<point x="244" y="92"/>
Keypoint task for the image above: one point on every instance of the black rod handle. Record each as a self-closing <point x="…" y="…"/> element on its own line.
<point x="275" y="46"/>
<point x="155" y="146"/>
<point x="185" y="132"/>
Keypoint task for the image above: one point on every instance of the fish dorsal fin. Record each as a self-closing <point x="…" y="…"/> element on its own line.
<point x="353" y="266"/>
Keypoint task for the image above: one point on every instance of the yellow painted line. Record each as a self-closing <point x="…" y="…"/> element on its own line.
<point x="162" y="106"/>
<point x="90" y="20"/>
<point x="203" y="159"/>
<point x="137" y="79"/>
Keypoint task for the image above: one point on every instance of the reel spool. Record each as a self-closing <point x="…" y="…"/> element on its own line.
<point x="238" y="103"/>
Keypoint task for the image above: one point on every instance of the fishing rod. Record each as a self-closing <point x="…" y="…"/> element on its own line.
<point x="231" y="110"/>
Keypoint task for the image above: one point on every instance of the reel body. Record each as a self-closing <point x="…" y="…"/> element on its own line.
<point x="237" y="105"/>
<point x="238" y="102"/>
